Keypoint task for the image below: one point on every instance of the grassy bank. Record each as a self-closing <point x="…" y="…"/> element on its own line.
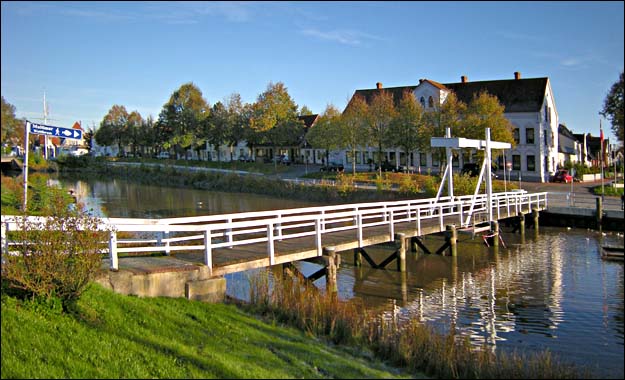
<point x="115" y="336"/>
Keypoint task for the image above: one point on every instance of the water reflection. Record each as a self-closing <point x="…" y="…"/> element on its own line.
<point x="541" y="291"/>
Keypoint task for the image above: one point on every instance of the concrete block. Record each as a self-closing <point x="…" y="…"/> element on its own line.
<point x="211" y="290"/>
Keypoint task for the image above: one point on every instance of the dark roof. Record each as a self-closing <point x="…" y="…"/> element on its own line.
<point x="368" y="94"/>
<point x="308" y="120"/>
<point x="516" y="95"/>
<point x="563" y="130"/>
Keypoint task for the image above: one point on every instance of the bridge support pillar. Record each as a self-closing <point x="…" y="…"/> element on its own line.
<point x="452" y="239"/>
<point x="400" y="241"/>
<point x="333" y="264"/>
<point x="535" y="215"/>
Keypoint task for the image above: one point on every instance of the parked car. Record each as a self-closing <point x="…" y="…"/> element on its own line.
<point x="245" y="158"/>
<point x="164" y="155"/>
<point x="473" y="170"/>
<point x="332" y="167"/>
<point x="562" y="175"/>
<point x="386" y="167"/>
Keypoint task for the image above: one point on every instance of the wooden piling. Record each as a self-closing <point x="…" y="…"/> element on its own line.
<point x="331" y="284"/>
<point x="521" y="217"/>
<point x="452" y="238"/>
<point x="357" y="257"/>
<point x="535" y="215"/>
<point x="400" y="241"/>
<point x="494" y="231"/>
<point x="599" y="212"/>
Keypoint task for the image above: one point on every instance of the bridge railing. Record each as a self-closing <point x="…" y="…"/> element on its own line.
<point x="206" y="233"/>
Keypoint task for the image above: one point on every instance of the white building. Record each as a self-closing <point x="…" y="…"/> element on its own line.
<point x="528" y="104"/>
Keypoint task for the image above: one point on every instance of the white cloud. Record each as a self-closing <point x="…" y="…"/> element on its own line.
<point x="346" y="37"/>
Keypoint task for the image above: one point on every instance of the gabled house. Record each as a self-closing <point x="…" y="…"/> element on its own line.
<point x="529" y="105"/>
<point x="569" y="148"/>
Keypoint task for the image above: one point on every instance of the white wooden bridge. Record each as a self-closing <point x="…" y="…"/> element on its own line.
<point x="235" y="242"/>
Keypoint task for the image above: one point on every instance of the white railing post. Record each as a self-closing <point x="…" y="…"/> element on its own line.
<point x="391" y="226"/>
<point x="318" y="236"/>
<point x="359" y="227"/>
<point x="113" y="251"/>
<point x="229" y="233"/>
<point x="384" y="213"/>
<point x="323" y="220"/>
<point x="166" y="237"/>
<point x="418" y="221"/>
<point x="460" y="207"/>
<point x="279" y="227"/>
<point x="440" y="216"/>
<point x="5" y="242"/>
<point x="270" y="244"/>
<point x="208" y="249"/>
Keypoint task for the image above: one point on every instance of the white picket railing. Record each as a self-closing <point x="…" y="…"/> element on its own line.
<point x="207" y="233"/>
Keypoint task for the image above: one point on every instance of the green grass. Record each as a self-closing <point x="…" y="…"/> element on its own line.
<point x="114" y="336"/>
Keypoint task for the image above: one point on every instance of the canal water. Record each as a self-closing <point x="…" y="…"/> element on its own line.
<point x="552" y="291"/>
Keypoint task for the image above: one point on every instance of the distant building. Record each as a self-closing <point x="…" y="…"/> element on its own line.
<point x="570" y="150"/>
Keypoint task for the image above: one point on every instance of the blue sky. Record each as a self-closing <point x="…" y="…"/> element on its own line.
<point x="89" y="56"/>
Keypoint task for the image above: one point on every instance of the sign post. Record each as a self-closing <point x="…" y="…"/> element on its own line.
<point x="46" y="130"/>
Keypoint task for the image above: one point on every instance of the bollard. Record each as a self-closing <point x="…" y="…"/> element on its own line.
<point x="522" y="226"/>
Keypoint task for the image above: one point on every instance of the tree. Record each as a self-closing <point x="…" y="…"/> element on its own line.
<point x="132" y="130"/>
<point x="325" y="133"/>
<point x="275" y="116"/>
<point x="304" y="111"/>
<point x="353" y="127"/>
<point x="216" y="127"/>
<point x="12" y="129"/>
<point x="182" y="117"/>
<point x="408" y="125"/>
<point x="449" y="114"/>
<point x="237" y="121"/>
<point x="613" y="108"/>
<point x="485" y="111"/>
<point x="113" y="128"/>
<point x="381" y="114"/>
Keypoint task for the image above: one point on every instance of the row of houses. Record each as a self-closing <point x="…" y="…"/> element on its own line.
<point x="543" y="144"/>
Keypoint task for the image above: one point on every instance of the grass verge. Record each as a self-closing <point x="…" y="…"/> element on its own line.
<point x="109" y="335"/>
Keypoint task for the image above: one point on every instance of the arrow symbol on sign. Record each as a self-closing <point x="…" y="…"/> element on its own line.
<point x="76" y="134"/>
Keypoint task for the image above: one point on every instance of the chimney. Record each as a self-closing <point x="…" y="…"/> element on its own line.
<point x="378" y="85"/>
<point x="463" y="79"/>
<point x="517" y="75"/>
<point x="420" y="81"/>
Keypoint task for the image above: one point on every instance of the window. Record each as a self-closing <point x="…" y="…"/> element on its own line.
<point x="455" y="161"/>
<point x="529" y="135"/>
<point x="516" y="162"/>
<point x="431" y="102"/>
<point x="422" y="101"/>
<point x="435" y="160"/>
<point x="422" y="159"/>
<point x="531" y="163"/>
<point x="515" y="135"/>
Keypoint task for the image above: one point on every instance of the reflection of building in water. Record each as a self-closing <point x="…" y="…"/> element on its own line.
<point x="519" y="292"/>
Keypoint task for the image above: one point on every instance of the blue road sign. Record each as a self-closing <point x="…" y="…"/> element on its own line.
<point x="66" y="133"/>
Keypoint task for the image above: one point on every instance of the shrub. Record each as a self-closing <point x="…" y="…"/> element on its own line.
<point x="55" y="257"/>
